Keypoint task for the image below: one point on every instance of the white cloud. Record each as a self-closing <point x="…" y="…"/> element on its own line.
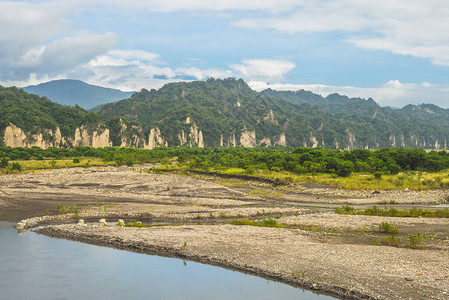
<point x="36" y="38"/>
<point x="263" y="69"/>
<point x="120" y="69"/>
<point x="209" y="5"/>
<point x="407" y="27"/>
<point x="202" y="74"/>
<point x="392" y="93"/>
<point x="127" y="70"/>
<point x="68" y="51"/>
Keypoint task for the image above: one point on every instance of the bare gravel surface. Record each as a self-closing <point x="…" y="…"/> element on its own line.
<point x="339" y="254"/>
<point x="292" y="256"/>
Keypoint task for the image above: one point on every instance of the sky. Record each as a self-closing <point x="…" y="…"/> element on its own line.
<point x="394" y="51"/>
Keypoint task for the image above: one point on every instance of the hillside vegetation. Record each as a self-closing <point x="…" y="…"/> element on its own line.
<point x="226" y="107"/>
<point x="33" y="113"/>
<point x="226" y="112"/>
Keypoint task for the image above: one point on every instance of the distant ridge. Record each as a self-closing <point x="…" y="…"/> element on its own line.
<point x="220" y="112"/>
<point x="72" y="92"/>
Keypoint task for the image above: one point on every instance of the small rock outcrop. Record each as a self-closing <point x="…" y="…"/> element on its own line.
<point x="155" y="139"/>
<point x="248" y="138"/>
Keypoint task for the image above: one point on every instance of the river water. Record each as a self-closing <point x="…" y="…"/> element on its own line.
<point x="34" y="266"/>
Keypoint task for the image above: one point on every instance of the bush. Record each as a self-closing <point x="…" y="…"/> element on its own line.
<point x="15" y="166"/>
<point x="416" y="241"/>
<point x="76" y="161"/>
<point x="377" y="175"/>
<point x="387" y="227"/>
<point x="391" y="240"/>
<point x="4" y="162"/>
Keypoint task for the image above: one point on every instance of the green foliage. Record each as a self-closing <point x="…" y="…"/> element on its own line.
<point x="249" y="161"/>
<point x="345" y="209"/>
<point x="389" y="240"/>
<point x="52" y="164"/>
<point x="15" y="166"/>
<point x="66" y="209"/>
<point x="270" y="222"/>
<point x="394" y="212"/>
<point x="377" y="175"/>
<point x="33" y="114"/>
<point x="135" y="223"/>
<point x="416" y="241"/>
<point x="4" y="162"/>
<point x="223" y="108"/>
<point x="76" y="160"/>
<point x="389" y="228"/>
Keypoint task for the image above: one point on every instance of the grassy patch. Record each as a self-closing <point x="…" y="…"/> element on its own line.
<point x="389" y="240"/>
<point x="394" y="212"/>
<point x="265" y="193"/>
<point x="416" y="241"/>
<point x="389" y="228"/>
<point x="28" y="165"/>
<point x="270" y="222"/>
<point x="411" y="180"/>
<point x="135" y="223"/>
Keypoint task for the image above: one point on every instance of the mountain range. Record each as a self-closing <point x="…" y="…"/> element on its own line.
<point x="76" y="92"/>
<point x="221" y="112"/>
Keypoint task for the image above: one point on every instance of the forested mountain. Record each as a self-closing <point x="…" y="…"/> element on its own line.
<point x="29" y="120"/>
<point x="226" y="112"/>
<point x="76" y="92"/>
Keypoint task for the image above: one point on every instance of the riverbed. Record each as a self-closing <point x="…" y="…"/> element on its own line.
<point x="34" y="266"/>
<point x="193" y="218"/>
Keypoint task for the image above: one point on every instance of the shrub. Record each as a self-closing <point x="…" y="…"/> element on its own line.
<point x="15" y="166"/>
<point x="134" y="223"/>
<point x="387" y="227"/>
<point x="416" y="241"/>
<point x="377" y="175"/>
<point x="391" y="240"/>
<point x="76" y="161"/>
<point x="4" y="162"/>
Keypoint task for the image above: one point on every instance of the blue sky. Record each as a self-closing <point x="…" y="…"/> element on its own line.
<point x="396" y="52"/>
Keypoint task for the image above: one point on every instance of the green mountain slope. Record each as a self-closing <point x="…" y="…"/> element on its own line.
<point x="38" y="115"/>
<point x="76" y="92"/>
<point x="224" y="109"/>
<point x="221" y="112"/>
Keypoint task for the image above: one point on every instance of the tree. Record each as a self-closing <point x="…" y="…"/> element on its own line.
<point x="4" y="162"/>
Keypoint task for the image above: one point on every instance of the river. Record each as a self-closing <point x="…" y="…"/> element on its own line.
<point x="34" y="266"/>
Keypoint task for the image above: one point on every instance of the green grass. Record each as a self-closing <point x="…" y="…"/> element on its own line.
<point x="411" y="180"/>
<point x="135" y="223"/>
<point x="389" y="240"/>
<point x="394" y="212"/>
<point x="416" y="241"/>
<point x="389" y="228"/>
<point x="264" y="223"/>
<point x="30" y="165"/>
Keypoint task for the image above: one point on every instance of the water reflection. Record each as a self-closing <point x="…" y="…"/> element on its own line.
<point x="33" y="266"/>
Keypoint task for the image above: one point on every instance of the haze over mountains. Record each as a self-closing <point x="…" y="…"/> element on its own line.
<point x="71" y="92"/>
<point x="216" y="112"/>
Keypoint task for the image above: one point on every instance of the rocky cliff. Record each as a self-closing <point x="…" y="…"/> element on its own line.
<point x="14" y="136"/>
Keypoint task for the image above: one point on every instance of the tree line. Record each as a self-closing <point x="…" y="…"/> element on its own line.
<point x="294" y="160"/>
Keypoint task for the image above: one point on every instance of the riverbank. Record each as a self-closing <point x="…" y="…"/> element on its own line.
<point x="292" y="256"/>
<point x="191" y="217"/>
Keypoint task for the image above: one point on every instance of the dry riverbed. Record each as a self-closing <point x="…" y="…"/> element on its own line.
<point x="343" y="255"/>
